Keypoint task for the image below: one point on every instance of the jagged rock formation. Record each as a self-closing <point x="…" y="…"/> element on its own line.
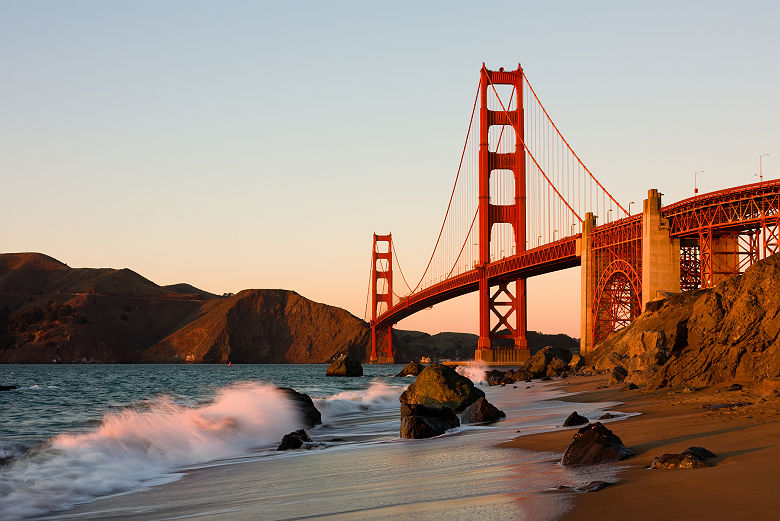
<point x="595" y="444"/>
<point x="345" y="365"/>
<point x="440" y="386"/>
<point x="703" y="337"/>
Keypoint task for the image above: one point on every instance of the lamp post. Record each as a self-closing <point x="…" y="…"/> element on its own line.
<point x="629" y="206"/>
<point x="695" y="189"/>
<point x="760" y="169"/>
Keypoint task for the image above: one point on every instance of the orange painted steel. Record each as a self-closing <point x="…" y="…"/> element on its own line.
<point x="720" y="233"/>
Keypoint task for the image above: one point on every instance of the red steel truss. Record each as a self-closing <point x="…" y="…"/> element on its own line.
<point x="381" y="271"/>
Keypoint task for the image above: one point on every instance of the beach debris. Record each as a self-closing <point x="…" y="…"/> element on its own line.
<point x="595" y="443"/>
<point x="8" y="387"/>
<point x="618" y="374"/>
<point x="303" y="402"/>
<point x="421" y="421"/>
<point x="345" y="365"/>
<point x="440" y="386"/>
<point x="411" y="369"/>
<point x="607" y="416"/>
<point x="294" y="440"/>
<point x="575" y="419"/>
<point x="481" y="411"/>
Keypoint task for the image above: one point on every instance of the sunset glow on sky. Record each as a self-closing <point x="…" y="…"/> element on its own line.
<point x="242" y="145"/>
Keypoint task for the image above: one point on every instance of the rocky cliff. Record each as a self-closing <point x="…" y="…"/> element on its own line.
<point x="704" y="337"/>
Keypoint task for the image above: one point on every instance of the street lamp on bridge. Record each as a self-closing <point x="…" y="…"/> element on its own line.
<point x="760" y="169"/>
<point x="629" y="206"/>
<point x="695" y="188"/>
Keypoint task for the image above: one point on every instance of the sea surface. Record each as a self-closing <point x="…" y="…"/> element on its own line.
<point x="198" y="441"/>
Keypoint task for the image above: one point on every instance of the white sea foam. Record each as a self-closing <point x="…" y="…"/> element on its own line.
<point x="135" y="448"/>
<point x="474" y="372"/>
<point x="378" y="396"/>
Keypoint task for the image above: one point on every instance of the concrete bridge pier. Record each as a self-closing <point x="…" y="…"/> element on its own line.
<point x="660" y="252"/>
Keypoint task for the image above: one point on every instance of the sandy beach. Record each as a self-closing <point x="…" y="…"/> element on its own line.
<point x="741" y="427"/>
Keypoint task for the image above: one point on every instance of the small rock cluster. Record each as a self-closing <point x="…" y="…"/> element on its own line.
<point x="690" y="458"/>
<point x="430" y="405"/>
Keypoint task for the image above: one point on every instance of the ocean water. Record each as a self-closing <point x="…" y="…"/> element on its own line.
<point x="101" y="441"/>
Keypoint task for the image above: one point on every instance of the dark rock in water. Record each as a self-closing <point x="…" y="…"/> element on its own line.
<point x="699" y="452"/>
<point x="677" y="461"/>
<point x="595" y="443"/>
<point x="420" y="421"/>
<point x="411" y="369"/>
<point x="440" y="386"/>
<point x="630" y="387"/>
<point x="481" y="411"/>
<point x="8" y="387"/>
<point x="594" y="486"/>
<point x="345" y="365"/>
<point x="607" y="416"/>
<point x="619" y="374"/>
<point x="494" y="377"/>
<point x="575" y="419"/>
<point x="734" y="387"/>
<point x="538" y="364"/>
<point x="304" y="404"/>
<point x="294" y="440"/>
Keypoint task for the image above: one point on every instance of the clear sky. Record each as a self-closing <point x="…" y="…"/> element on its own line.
<point x="260" y="144"/>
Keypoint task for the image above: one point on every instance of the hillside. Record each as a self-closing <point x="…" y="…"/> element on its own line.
<point x="704" y="337"/>
<point x="50" y="312"/>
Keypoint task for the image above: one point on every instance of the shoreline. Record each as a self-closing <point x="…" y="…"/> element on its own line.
<point x="743" y="480"/>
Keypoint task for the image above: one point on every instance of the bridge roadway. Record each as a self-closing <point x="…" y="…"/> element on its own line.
<point x="741" y="208"/>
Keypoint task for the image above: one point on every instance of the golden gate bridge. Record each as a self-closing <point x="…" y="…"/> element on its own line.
<point x="523" y="203"/>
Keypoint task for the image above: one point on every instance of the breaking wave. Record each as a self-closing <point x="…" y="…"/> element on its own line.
<point x="139" y="447"/>
<point x="378" y="396"/>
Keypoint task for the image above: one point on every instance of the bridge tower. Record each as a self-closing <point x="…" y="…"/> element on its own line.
<point x="381" y="270"/>
<point x="502" y="304"/>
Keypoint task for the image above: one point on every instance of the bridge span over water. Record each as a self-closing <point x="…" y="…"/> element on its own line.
<point x="524" y="204"/>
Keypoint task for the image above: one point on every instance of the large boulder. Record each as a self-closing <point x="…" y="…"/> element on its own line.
<point x="411" y="369"/>
<point x="440" y="386"/>
<point x="481" y="411"/>
<point x="537" y="364"/>
<point x="593" y="444"/>
<point x="311" y="416"/>
<point x="345" y="365"/>
<point x="420" y="421"/>
<point x="294" y="440"/>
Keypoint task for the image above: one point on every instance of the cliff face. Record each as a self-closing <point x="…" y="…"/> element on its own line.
<point x="704" y="337"/>
<point x="264" y="326"/>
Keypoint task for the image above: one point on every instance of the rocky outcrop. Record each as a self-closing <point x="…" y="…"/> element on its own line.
<point x="549" y="361"/>
<point x="575" y="419"/>
<point x="593" y="444"/>
<point x="705" y="337"/>
<point x="345" y="365"/>
<point x="481" y="411"/>
<point x="618" y="374"/>
<point x="294" y="440"/>
<point x="310" y="415"/>
<point x="440" y="386"/>
<point x="412" y="369"/>
<point x="420" y="421"/>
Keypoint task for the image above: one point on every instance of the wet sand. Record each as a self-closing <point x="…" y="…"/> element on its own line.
<point x="743" y="482"/>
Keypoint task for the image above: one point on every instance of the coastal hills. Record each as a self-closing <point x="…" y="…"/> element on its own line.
<point x="50" y="312"/>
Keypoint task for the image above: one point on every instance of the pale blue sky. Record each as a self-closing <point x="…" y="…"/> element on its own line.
<point x="254" y="144"/>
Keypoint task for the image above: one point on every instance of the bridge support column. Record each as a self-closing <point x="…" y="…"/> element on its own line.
<point x="381" y="271"/>
<point x="588" y="284"/>
<point x="660" y="252"/>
